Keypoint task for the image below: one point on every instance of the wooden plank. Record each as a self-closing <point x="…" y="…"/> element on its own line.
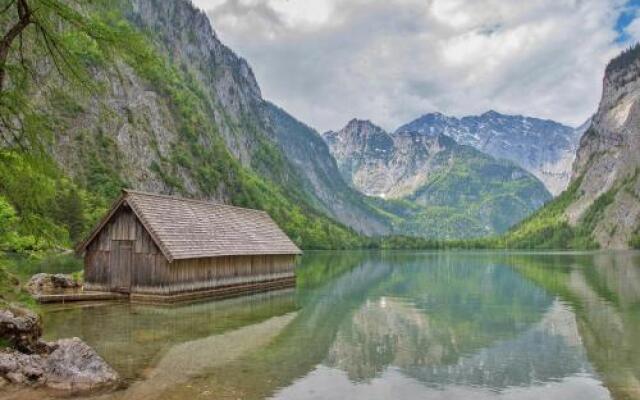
<point x="79" y="296"/>
<point x="120" y="266"/>
<point x="132" y="227"/>
<point x="218" y="293"/>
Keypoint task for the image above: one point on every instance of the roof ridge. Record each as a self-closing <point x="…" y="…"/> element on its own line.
<point x="209" y="202"/>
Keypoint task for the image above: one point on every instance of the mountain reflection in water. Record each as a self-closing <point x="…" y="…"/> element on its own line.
<point x="370" y="325"/>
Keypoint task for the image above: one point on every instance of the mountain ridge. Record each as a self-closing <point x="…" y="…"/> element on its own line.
<point x="541" y="146"/>
<point x="449" y="182"/>
<point x="608" y="158"/>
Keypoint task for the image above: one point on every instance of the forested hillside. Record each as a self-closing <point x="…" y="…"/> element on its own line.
<point x="139" y="94"/>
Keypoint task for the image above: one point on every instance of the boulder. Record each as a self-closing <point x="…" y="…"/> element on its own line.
<point x="20" y="368"/>
<point x="51" y="283"/>
<point x="20" y="328"/>
<point x="68" y="365"/>
<point x="72" y="367"/>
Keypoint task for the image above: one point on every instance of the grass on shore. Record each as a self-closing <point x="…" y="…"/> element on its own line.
<point x="11" y="291"/>
<point x="15" y="271"/>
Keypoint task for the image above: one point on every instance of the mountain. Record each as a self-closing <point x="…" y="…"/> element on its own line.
<point x="601" y="206"/>
<point x="310" y="156"/>
<point x="175" y="111"/>
<point x="362" y="151"/>
<point x="608" y="159"/>
<point x="454" y="190"/>
<point x="228" y="80"/>
<point x="543" y="147"/>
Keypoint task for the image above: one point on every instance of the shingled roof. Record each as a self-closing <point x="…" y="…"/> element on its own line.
<point x="184" y="228"/>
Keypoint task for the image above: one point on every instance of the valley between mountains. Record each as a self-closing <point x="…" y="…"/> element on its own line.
<point x="175" y="111"/>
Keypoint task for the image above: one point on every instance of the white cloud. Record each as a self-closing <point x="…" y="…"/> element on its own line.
<point x="633" y="30"/>
<point x="327" y="61"/>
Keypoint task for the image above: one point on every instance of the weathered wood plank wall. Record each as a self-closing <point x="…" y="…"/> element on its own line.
<point x="206" y="273"/>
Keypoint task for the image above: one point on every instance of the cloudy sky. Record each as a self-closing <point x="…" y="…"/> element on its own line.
<point x="327" y="61"/>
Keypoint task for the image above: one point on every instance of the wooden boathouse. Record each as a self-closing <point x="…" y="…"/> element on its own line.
<point x="157" y="248"/>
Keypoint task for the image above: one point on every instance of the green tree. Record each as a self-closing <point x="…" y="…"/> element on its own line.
<point x="35" y="34"/>
<point x="10" y="237"/>
<point x="70" y="212"/>
<point x="8" y="220"/>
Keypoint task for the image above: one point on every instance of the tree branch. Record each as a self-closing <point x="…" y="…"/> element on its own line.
<point x="24" y="13"/>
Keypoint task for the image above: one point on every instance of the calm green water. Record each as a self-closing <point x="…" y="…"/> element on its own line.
<point x="387" y="326"/>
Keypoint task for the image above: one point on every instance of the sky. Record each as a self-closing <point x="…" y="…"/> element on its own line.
<point x="390" y="61"/>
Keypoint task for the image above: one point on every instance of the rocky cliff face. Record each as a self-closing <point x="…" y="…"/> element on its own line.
<point x="608" y="159"/>
<point x="362" y="151"/>
<point x="321" y="178"/>
<point x="543" y="147"/>
<point x="193" y="121"/>
<point x="248" y="122"/>
<point x="186" y="36"/>
<point x="134" y="126"/>
<point x="459" y="189"/>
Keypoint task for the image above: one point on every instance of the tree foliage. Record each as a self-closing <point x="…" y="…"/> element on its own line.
<point x="40" y="36"/>
<point x="43" y="209"/>
<point x="627" y="57"/>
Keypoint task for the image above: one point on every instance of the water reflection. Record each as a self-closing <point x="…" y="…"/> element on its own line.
<point x="388" y="325"/>
<point x="604" y="291"/>
<point x="432" y="313"/>
<point x="132" y="338"/>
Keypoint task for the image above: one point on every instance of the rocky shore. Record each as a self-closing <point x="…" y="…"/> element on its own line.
<point x="51" y="283"/>
<point x="67" y="365"/>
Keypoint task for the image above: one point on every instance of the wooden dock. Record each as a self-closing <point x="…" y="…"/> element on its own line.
<point x="79" y="296"/>
<point x="217" y="293"/>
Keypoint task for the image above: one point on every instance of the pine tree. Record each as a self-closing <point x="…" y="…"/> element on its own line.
<point x="70" y="212"/>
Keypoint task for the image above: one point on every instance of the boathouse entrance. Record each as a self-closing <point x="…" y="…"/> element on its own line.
<point x="120" y="264"/>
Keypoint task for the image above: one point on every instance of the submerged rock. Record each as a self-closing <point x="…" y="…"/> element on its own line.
<point x="51" y="283"/>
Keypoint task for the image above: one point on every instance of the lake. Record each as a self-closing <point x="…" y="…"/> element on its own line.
<point x="386" y="325"/>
